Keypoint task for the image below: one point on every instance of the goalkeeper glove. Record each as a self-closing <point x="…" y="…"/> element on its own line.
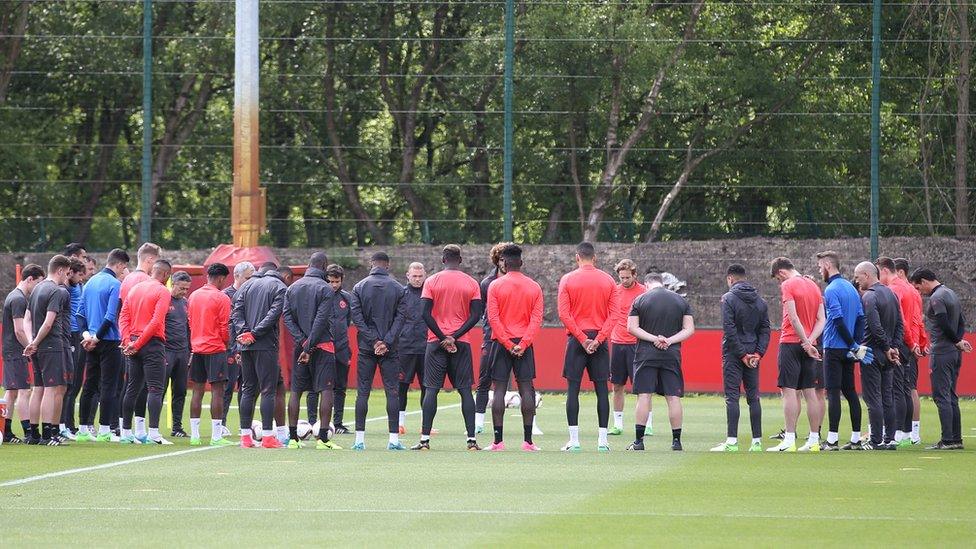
<point x="857" y="352"/>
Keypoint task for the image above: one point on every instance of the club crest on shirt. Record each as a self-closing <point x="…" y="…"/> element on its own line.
<point x="342" y="304"/>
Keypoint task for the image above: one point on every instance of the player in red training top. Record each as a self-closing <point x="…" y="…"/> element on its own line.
<point x="803" y="322"/>
<point x="587" y="305"/>
<point x="142" y="322"/>
<point x="515" y="315"/>
<point x="452" y="306"/>
<point x="623" y="343"/>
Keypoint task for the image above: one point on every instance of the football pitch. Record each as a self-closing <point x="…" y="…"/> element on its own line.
<point x="92" y="494"/>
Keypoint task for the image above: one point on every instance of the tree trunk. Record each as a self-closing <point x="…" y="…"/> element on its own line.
<point x="109" y="129"/>
<point x="13" y="23"/>
<point x="965" y="49"/>
<point x="551" y="235"/>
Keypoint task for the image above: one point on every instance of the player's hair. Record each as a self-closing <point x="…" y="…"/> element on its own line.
<point x="243" y="267"/>
<point x="885" y="263"/>
<point x="921" y="274"/>
<point x="318" y="260"/>
<point x="451" y="253"/>
<point x="380" y="257"/>
<point x="416" y="265"/>
<point x="832" y="257"/>
<point x="91" y="259"/>
<point x="626" y="265"/>
<point x="32" y="270"/>
<point x="736" y="271"/>
<point x="653" y="277"/>
<point x="285" y="270"/>
<point x="116" y="257"/>
<point x="77" y="265"/>
<point x="585" y="250"/>
<point x="182" y="276"/>
<point x="901" y="264"/>
<point x="779" y="264"/>
<point x="58" y="262"/>
<point x="495" y="255"/>
<point x="163" y="264"/>
<point x="146" y="250"/>
<point x="335" y="271"/>
<point x="73" y="249"/>
<point x="216" y="270"/>
<point x="268" y="266"/>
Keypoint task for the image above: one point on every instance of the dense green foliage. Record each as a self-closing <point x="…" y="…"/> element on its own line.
<point x="382" y="121"/>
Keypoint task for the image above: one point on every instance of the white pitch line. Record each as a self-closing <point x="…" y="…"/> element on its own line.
<point x="109" y="465"/>
<point x="66" y="472"/>
<point x="509" y="512"/>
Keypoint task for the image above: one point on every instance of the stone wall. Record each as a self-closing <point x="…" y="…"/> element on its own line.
<point x="701" y="264"/>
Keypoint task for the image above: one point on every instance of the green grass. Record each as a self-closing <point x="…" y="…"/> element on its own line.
<point x="229" y="496"/>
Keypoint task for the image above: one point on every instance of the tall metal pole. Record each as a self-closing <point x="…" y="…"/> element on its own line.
<point x="145" y="224"/>
<point x="875" y="124"/>
<point x="509" y="126"/>
<point x="247" y="196"/>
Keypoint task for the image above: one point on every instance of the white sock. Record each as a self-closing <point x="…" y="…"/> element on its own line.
<point x="915" y="430"/>
<point x="424" y="438"/>
<point x="360" y="437"/>
<point x="267" y="433"/>
<point x="126" y="433"/>
<point x="618" y="420"/>
<point x="814" y="437"/>
<point x="61" y="427"/>
<point x="757" y="440"/>
<point x="603" y="436"/>
<point x="194" y="427"/>
<point x="732" y="441"/>
<point x="140" y="426"/>
<point x="395" y="438"/>
<point x="574" y="434"/>
<point x="282" y="431"/>
<point x="789" y="438"/>
<point x="403" y="419"/>
<point x="84" y="429"/>
<point x="650" y="416"/>
<point x="246" y="432"/>
<point x="832" y="437"/>
<point x="216" y="430"/>
<point x="855" y="436"/>
<point x="479" y="419"/>
<point x="154" y="433"/>
<point x="899" y="435"/>
<point x="104" y="429"/>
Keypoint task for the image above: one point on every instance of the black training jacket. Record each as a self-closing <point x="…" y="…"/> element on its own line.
<point x="413" y="335"/>
<point x="341" y="320"/>
<point x="884" y="328"/>
<point x="745" y="322"/>
<point x="258" y="305"/>
<point x="375" y="304"/>
<point x="308" y="309"/>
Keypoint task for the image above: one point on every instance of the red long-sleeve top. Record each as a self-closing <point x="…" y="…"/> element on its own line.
<point x="130" y="281"/>
<point x="515" y="309"/>
<point x="587" y="301"/>
<point x="208" y="310"/>
<point x="910" y="303"/>
<point x="143" y="314"/>
<point x="625" y="300"/>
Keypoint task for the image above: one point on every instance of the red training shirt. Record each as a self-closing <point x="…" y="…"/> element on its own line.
<point x="806" y="295"/>
<point x="515" y="309"/>
<point x="143" y="314"/>
<point x="910" y="303"/>
<point x="130" y="281"/>
<point x="587" y="301"/>
<point x="625" y="300"/>
<point x="208" y="309"/>
<point x="452" y="292"/>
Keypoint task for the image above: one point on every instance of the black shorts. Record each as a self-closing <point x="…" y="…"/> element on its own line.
<point x="656" y="376"/>
<point x="208" y="368"/>
<point x="316" y="375"/>
<point x="411" y="366"/>
<point x="53" y="368"/>
<point x="16" y="374"/>
<point x="622" y="362"/>
<point x="597" y="365"/>
<point x="797" y="370"/>
<point x="504" y="363"/>
<point x="838" y="369"/>
<point x="456" y="366"/>
<point x="911" y="372"/>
